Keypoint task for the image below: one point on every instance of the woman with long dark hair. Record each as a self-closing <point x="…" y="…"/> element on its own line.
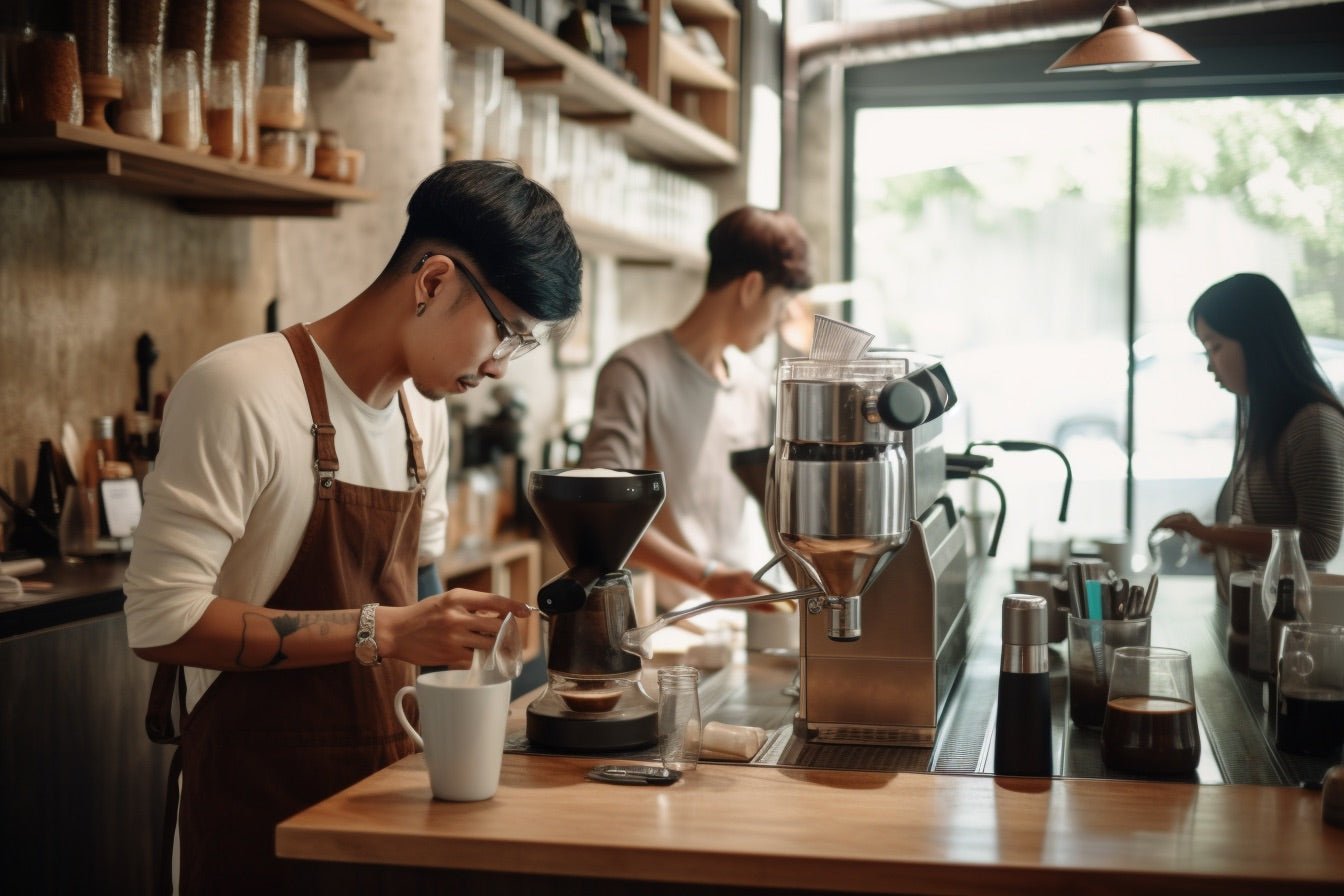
<point x="1288" y="468"/>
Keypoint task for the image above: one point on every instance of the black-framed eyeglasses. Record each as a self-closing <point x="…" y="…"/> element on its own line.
<point x="512" y="345"/>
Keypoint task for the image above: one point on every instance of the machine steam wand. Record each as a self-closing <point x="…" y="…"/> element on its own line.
<point x="636" y="640"/>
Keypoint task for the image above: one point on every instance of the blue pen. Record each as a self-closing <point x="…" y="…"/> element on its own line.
<point x="1093" y="588"/>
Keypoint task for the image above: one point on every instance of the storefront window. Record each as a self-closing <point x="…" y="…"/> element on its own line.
<point x="998" y="236"/>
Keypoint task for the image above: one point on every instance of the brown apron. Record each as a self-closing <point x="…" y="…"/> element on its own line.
<point x="260" y="746"/>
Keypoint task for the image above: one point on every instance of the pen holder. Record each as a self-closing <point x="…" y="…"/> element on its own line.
<point x="1092" y="646"/>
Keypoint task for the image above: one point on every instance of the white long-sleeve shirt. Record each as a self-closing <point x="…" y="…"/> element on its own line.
<point x="233" y="485"/>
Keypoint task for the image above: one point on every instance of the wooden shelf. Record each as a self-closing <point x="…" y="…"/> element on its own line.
<point x="587" y="91"/>
<point x="332" y="29"/>
<point x="604" y="239"/>
<point x="692" y="10"/>
<point x="687" y="68"/>
<point x="199" y="183"/>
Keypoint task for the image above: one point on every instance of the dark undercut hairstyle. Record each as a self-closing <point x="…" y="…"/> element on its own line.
<point x="1282" y="375"/>
<point x="756" y="239"/>
<point x="509" y="227"/>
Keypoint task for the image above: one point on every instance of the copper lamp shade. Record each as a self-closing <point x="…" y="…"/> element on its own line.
<point x="1122" y="45"/>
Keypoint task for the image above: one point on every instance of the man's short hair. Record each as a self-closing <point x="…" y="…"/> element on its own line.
<point x="756" y="239"/>
<point x="511" y="228"/>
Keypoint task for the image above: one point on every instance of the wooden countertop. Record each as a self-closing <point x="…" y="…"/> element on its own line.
<point x="749" y="826"/>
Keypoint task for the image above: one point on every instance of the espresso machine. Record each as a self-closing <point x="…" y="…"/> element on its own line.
<point x="855" y="497"/>
<point x="594" y="700"/>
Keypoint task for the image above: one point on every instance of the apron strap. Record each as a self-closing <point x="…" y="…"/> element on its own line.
<point x="325" y="462"/>
<point x="415" y="457"/>
<point x="161" y="729"/>
<point x="159" y="714"/>
<point x="163" y="876"/>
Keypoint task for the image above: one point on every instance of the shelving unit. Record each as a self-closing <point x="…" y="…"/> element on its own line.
<point x="198" y="183"/>
<point x="589" y="92"/>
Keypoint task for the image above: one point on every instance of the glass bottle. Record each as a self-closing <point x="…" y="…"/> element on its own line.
<point x="679" y="717"/>
<point x="101" y="449"/>
<point x="1285" y="579"/>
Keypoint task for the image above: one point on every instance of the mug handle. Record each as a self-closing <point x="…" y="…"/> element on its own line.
<point x="401" y="715"/>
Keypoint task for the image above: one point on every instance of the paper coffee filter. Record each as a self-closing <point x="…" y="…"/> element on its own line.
<point x="595" y="473"/>
<point x="835" y="340"/>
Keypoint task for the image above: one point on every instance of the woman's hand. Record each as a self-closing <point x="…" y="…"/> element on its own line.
<point x="444" y="630"/>
<point x="1184" y="521"/>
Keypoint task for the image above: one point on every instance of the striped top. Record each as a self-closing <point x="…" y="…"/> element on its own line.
<point x="1302" y="485"/>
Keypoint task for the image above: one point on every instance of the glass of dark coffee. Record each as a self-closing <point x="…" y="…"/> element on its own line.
<point x="1150" y="726"/>
<point x="1310" y="717"/>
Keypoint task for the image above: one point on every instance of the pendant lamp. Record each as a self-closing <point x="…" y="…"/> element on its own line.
<point x="1122" y="45"/>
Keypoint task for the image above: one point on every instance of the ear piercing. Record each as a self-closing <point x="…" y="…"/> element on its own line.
<point x="420" y="309"/>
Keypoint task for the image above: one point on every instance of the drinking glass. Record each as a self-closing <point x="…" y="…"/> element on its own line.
<point x="1150" y="726"/>
<point x="1310" y="716"/>
<point x="78" y="531"/>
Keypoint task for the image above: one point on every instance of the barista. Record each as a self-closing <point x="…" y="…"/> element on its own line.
<point x="1288" y="467"/>
<point x="284" y="585"/>
<point x="681" y="400"/>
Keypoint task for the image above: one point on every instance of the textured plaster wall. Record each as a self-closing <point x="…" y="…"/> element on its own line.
<point x="85" y="268"/>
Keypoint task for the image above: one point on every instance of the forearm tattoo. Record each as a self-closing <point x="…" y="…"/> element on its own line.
<point x="263" y="638"/>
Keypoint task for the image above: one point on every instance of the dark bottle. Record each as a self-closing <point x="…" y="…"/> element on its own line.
<point x="1022" y="733"/>
<point x="1285" y="611"/>
<point x="39" y="531"/>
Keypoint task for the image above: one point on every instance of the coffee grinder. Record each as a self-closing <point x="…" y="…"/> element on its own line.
<point x="594" y="699"/>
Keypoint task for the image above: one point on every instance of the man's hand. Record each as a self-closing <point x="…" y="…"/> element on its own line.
<point x="444" y="630"/>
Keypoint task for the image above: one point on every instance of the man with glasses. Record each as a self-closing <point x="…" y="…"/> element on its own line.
<point x="683" y="399"/>
<point x="274" y="571"/>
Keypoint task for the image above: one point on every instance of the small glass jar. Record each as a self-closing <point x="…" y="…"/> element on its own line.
<point x="224" y="109"/>
<point x="141" y="112"/>
<point x="283" y="99"/>
<point x="327" y="158"/>
<point x="48" y="78"/>
<point x="679" y="732"/>
<point x="181" y="99"/>
<point x="279" y="149"/>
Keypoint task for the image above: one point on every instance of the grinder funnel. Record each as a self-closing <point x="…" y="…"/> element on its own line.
<point x="595" y="519"/>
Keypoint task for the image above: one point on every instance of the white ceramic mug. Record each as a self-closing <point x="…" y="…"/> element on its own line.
<point x="463" y="722"/>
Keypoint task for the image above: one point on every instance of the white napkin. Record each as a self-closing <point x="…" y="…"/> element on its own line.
<point x="720" y="741"/>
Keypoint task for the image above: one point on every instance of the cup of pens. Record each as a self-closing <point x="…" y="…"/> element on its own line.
<point x="1101" y="621"/>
